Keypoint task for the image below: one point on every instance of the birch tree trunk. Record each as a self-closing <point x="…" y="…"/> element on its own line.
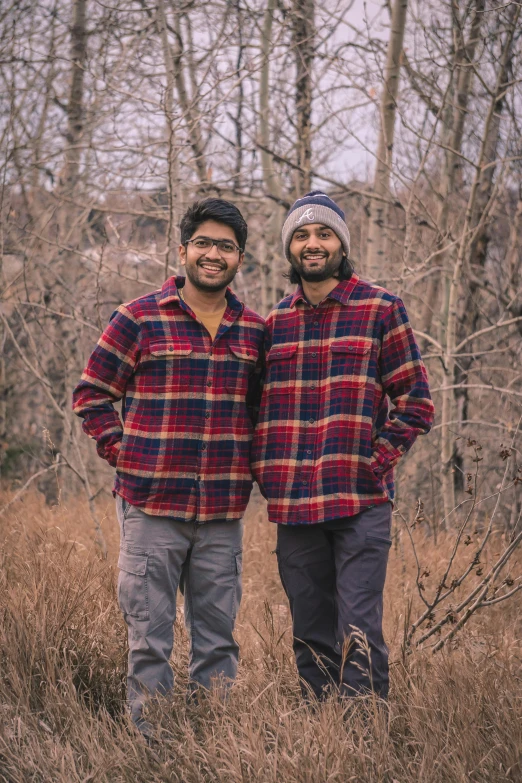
<point x="303" y="30"/>
<point x="378" y="218"/>
<point x="272" y="184"/>
<point x="172" y="157"/>
<point x="271" y="181"/>
<point x="58" y="268"/>
<point x="75" y="108"/>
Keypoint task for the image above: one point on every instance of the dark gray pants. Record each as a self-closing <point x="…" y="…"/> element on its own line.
<point x="333" y="574"/>
<point x="155" y="553"/>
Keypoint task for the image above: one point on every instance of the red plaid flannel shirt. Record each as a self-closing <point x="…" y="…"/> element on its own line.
<point x="346" y="394"/>
<point x="183" y="450"/>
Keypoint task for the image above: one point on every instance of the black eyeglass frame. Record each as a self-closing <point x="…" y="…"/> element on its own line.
<point x="216" y="242"/>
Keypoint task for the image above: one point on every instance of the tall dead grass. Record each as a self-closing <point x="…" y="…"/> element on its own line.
<point x="454" y="716"/>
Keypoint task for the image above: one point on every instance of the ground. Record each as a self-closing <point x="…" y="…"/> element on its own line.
<point x="453" y="716"/>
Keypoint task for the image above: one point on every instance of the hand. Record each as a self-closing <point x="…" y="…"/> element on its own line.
<point x="113" y="453"/>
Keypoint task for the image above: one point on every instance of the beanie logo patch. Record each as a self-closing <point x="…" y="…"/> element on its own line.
<point x="308" y="215"/>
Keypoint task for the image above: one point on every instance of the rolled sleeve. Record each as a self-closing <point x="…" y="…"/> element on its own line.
<point x="104" y="381"/>
<point x="404" y="380"/>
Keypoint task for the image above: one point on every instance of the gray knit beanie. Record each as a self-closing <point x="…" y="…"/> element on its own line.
<point x="316" y="207"/>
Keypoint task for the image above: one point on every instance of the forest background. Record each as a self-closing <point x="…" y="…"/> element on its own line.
<point x="115" y="117"/>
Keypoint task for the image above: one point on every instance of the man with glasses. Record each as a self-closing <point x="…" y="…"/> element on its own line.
<point x="186" y="361"/>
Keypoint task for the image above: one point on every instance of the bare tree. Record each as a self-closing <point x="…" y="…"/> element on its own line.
<point x="303" y="30"/>
<point x="114" y="117"/>
<point x="378" y="209"/>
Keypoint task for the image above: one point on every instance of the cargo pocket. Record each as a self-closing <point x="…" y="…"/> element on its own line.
<point x="238" y="586"/>
<point x="133" y="596"/>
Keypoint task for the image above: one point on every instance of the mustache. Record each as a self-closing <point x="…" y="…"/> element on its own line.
<point x="220" y="264"/>
<point x="320" y="253"/>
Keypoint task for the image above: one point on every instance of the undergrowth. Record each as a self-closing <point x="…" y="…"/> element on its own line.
<point x="453" y="716"/>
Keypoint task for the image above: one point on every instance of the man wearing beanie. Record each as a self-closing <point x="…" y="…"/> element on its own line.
<point x="346" y="395"/>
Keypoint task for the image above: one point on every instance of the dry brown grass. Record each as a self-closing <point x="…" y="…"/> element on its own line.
<point x="454" y="716"/>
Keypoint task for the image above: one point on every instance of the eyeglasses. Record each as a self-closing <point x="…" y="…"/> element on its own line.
<point x="225" y="246"/>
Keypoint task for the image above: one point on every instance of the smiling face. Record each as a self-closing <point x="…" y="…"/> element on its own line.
<point x="211" y="270"/>
<point x="316" y="252"/>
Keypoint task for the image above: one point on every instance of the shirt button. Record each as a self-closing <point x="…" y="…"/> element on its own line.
<point x="308" y="451"/>
<point x="350" y="348"/>
<point x="304" y="483"/>
<point x="312" y="385"/>
<point x="199" y="478"/>
<point x="311" y="420"/>
<point x="203" y="446"/>
<point x="314" y="354"/>
<point x="170" y="347"/>
<point x="207" y="415"/>
<point x="209" y="383"/>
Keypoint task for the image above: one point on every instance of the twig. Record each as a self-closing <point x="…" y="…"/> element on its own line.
<point x="29" y="481"/>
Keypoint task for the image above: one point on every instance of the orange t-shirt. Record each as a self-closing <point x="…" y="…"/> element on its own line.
<point x="210" y="321"/>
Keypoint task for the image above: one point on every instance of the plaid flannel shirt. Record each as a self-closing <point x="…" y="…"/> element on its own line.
<point x="183" y="450"/>
<point x="327" y="438"/>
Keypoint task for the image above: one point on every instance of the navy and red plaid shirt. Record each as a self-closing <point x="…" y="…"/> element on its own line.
<point x="327" y="437"/>
<point x="188" y="403"/>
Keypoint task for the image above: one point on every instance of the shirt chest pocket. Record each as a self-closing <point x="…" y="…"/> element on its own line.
<point x="168" y="365"/>
<point x="281" y="369"/>
<point x="350" y="362"/>
<point x="239" y="366"/>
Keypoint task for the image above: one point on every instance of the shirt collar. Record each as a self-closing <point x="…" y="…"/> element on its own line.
<point x="169" y="293"/>
<point x="341" y="292"/>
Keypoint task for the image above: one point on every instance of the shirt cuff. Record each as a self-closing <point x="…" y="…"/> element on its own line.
<point x="111" y="453"/>
<point x="383" y="461"/>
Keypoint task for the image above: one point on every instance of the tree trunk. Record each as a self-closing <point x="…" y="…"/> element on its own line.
<point x="449" y="394"/>
<point x="513" y="264"/>
<point x="238" y="118"/>
<point x="479" y="244"/>
<point x="59" y="273"/>
<point x="271" y="181"/>
<point x="189" y="107"/>
<point x="378" y="218"/>
<point x="303" y="30"/>
<point x="470" y="313"/>
<point x="452" y="135"/>
<point x="75" y="108"/>
<point x="172" y="154"/>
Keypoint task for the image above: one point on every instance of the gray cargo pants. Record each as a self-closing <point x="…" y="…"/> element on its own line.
<point x="333" y="574"/>
<point x="155" y="553"/>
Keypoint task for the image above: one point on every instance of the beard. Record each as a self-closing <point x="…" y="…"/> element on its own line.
<point x="202" y="283"/>
<point x="328" y="269"/>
